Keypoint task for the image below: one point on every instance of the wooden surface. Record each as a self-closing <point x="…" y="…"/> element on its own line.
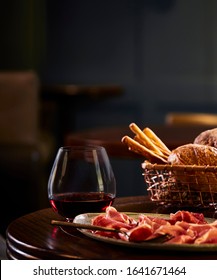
<point x="110" y="138"/>
<point x="33" y="237"/>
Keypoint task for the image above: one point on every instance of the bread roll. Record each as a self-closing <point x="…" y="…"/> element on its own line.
<point x="207" y="137"/>
<point x="195" y="154"/>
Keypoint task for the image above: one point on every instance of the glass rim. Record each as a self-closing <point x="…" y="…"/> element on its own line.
<point x="81" y="147"/>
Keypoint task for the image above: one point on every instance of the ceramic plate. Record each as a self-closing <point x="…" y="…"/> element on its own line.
<point x="87" y="217"/>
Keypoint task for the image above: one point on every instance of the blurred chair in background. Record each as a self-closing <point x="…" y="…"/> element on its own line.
<point x="179" y="118"/>
<point x="24" y="154"/>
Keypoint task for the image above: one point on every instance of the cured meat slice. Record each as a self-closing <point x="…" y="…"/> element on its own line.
<point x="181" y="239"/>
<point x="112" y="213"/>
<point x="114" y="219"/>
<point x="104" y="221"/>
<point x="210" y="237"/>
<point x="140" y="233"/>
<point x="173" y="230"/>
<point x="184" y="227"/>
<point x="190" y="217"/>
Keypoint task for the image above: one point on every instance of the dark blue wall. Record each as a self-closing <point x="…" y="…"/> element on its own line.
<point x="163" y="53"/>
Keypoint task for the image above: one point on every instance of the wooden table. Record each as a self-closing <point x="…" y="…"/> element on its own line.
<point x="110" y="138"/>
<point x="33" y="237"/>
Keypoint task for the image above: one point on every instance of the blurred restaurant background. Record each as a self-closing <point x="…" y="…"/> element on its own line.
<point x="159" y="56"/>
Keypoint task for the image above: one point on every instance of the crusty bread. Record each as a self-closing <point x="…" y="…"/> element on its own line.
<point x="194" y="154"/>
<point x="207" y="137"/>
<point x="200" y="155"/>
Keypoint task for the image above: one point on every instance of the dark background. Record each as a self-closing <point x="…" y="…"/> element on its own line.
<point x="163" y="54"/>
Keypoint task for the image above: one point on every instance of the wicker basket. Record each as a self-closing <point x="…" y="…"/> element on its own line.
<point x="194" y="186"/>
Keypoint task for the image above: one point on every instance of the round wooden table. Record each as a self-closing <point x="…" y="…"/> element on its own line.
<point x="33" y="237"/>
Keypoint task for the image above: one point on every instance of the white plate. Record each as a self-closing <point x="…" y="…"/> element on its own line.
<point x="87" y="217"/>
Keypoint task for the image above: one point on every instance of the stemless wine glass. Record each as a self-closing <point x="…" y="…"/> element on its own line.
<point x="81" y="181"/>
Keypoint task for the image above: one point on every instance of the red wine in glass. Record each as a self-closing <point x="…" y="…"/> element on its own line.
<point x="69" y="205"/>
<point x="81" y="181"/>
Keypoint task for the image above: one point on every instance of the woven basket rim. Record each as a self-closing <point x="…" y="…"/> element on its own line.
<point x="171" y="167"/>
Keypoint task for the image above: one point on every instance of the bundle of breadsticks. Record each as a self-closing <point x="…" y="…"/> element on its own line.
<point x="199" y="158"/>
<point x="147" y="144"/>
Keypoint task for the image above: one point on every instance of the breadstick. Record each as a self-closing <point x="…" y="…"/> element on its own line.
<point x="140" y="149"/>
<point x="153" y="148"/>
<point x="142" y="138"/>
<point x="145" y="140"/>
<point x="156" y="139"/>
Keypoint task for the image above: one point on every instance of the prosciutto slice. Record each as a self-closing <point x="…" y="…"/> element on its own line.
<point x="209" y="236"/>
<point x="190" y="217"/>
<point x="184" y="227"/>
<point x="116" y="220"/>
